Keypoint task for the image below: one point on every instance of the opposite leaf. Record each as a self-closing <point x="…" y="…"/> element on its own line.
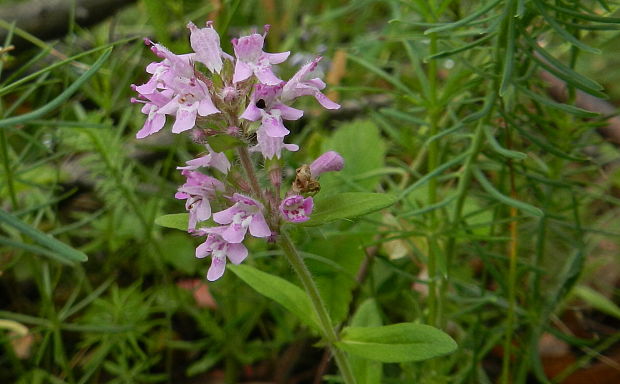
<point x="348" y="205"/>
<point x="279" y="290"/>
<point x="396" y="343"/>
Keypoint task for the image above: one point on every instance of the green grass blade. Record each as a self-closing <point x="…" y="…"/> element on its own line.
<point x="65" y="252"/>
<point x="60" y="98"/>
<point x="465" y="20"/>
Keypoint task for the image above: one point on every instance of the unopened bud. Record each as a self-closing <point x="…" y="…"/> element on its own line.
<point x="327" y="162"/>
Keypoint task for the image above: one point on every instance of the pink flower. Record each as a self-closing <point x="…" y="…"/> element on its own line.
<point x="219" y="249"/>
<point x="300" y="85"/>
<point x="296" y="208"/>
<point x="245" y="214"/>
<point x="206" y="43"/>
<point x="214" y="159"/>
<point x="190" y="100"/>
<point x="198" y="190"/>
<point x="327" y="162"/>
<point x="270" y="146"/>
<point x="185" y="96"/>
<point x="155" y="120"/>
<point x="266" y="106"/>
<point x="251" y="59"/>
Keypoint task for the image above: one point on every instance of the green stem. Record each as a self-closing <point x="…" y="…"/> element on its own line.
<point x="246" y="162"/>
<point x="434" y="299"/>
<point x="7" y="169"/>
<point x="328" y="331"/>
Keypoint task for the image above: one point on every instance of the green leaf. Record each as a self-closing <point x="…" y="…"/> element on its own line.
<point x="580" y="112"/>
<point x="178" y="250"/>
<point x="499" y="149"/>
<point x="466" y="20"/>
<point x="221" y="143"/>
<point x="64" y="252"/>
<point x="396" y="343"/>
<point x="367" y="315"/>
<point x="561" y="31"/>
<point x="488" y="187"/>
<point x="381" y="73"/>
<point x="175" y="220"/>
<point x="597" y="300"/>
<point x="20" y="119"/>
<point x="359" y="165"/>
<point x="348" y="205"/>
<point x="279" y="290"/>
<point x="367" y="371"/>
<point x="334" y="271"/>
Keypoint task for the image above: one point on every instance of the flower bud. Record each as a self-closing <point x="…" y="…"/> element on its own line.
<point x="327" y="162"/>
<point x="296" y="208"/>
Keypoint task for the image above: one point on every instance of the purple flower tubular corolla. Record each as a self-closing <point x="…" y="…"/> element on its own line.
<point x="245" y="214"/>
<point x="296" y="208"/>
<point x="190" y="100"/>
<point x="206" y="43"/>
<point x="219" y="249"/>
<point x="214" y="159"/>
<point x="328" y="162"/>
<point x="269" y="104"/>
<point x="198" y="190"/>
<point x="155" y="121"/>
<point x="301" y="85"/>
<point x="265" y="106"/>
<point x="251" y="59"/>
<point x="186" y="96"/>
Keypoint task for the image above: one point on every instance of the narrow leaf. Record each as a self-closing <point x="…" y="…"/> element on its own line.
<point x="20" y="119"/>
<point x="486" y="185"/>
<point x="396" y="343"/>
<point x="279" y="290"/>
<point x="597" y="300"/>
<point x="561" y="106"/>
<point x="561" y="31"/>
<point x="348" y="205"/>
<point x="63" y="251"/>
<point x="381" y="73"/>
<point x="464" y="21"/>
<point x="501" y="150"/>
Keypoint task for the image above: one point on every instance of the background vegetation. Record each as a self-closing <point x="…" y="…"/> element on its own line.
<point x="505" y="233"/>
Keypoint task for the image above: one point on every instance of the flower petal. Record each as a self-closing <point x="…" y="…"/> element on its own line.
<point x="242" y="71"/>
<point x="217" y="268"/>
<point x="185" y="119"/>
<point x="259" y="227"/>
<point x="237" y="253"/>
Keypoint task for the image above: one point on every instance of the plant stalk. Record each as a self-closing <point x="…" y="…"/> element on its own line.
<point x="328" y="331"/>
<point x="246" y="162"/>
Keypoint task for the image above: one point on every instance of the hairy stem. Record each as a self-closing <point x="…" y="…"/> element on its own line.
<point x="246" y="162"/>
<point x="327" y="329"/>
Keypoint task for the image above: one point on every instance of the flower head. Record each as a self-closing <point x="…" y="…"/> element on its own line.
<point x="296" y="208"/>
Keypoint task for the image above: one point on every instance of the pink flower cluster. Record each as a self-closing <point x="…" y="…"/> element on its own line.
<point x="238" y="96"/>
